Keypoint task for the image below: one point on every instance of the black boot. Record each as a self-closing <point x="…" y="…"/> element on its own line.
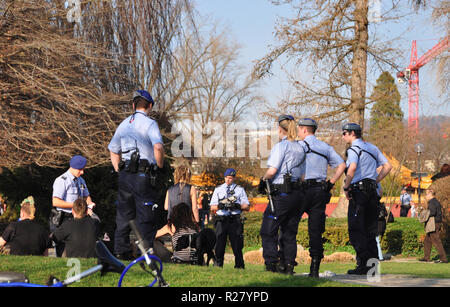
<point x="359" y="270"/>
<point x="289" y="270"/>
<point x="272" y="267"/>
<point x="281" y="267"/>
<point x="314" y="268"/>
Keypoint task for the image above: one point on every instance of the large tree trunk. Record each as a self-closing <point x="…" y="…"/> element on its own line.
<point x="359" y="63"/>
<point x="358" y="81"/>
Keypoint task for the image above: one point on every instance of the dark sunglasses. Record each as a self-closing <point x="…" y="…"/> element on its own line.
<point x="345" y="132"/>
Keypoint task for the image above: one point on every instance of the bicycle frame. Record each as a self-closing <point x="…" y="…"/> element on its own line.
<point x="140" y="259"/>
<point x="59" y="284"/>
<point x="110" y="264"/>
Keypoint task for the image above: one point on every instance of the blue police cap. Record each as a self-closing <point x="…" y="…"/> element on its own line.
<point x="285" y="117"/>
<point x="307" y="122"/>
<point x="78" y="162"/>
<point x="230" y="172"/>
<point x="351" y="127"/>
<point x="143" y="94"/>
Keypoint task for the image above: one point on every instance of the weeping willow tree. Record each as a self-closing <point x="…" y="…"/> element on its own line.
<point x="64" y="86"/>
<point x="67" y="73"/>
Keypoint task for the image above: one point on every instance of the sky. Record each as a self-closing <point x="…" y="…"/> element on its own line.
<point x="252" y="24"/>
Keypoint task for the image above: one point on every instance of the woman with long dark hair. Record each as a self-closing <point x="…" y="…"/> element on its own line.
<point x="183" y="227"/>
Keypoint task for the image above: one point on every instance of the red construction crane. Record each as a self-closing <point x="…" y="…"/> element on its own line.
<point x="411" y="74"/>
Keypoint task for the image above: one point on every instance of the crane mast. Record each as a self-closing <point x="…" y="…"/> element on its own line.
<point x="411" y="75"/>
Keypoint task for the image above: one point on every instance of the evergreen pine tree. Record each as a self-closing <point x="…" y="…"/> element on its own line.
<point x="386" y="113"/>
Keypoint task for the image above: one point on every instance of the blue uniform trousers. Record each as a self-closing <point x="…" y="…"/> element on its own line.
<point x="315" y="203"/>
<point x="281" y="248"/>
<point x="363" y="224"/>
<point x="135" y="201"/>
<point x="231" y="227"/>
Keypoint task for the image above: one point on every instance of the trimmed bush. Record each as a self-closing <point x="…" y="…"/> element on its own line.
<point x="404" y="236"/>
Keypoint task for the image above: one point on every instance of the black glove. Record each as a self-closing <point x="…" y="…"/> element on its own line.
<point x="237" y="206"/>
<point x="262" y="187"/>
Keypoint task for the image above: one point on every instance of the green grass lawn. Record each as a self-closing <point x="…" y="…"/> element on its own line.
<point x="38" y="270"/>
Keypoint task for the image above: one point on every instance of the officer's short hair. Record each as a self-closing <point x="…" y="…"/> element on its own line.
<point x="353" y="127"/>
<point x="309" y="123"/>
<point x="358" y="133"/>
<point x="141" y="103"/>
<point x="142" y="99"/>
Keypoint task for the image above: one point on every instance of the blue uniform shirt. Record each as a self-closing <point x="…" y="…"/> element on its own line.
<point x="287" y="156"/>
<point x="69" y="188"/>
<point x="366" y="164"/>
<point x="220" y="192"/>
<point x="405" y="199"/>
<point x="137" y="130"/>
<point x="317" y="165"/>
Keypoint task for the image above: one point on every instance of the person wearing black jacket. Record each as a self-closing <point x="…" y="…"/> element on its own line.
<point x="80" y="233"/>
<point x="25" y="237"/>
<point x="433" y="238"/>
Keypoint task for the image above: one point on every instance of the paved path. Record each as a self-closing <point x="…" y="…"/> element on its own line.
<point x="391" y="280"/>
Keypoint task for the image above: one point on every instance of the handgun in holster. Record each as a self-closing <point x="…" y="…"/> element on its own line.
<point x="152" y="171"/>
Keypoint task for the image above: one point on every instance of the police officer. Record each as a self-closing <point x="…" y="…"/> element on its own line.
<point x="284" y="173"/>
<point x="67" y="188"/>
<point x="137" y="153"/>
<point x="229" y="200"/>
<point x="317" y="188"/>
<point x="360" y="188"/>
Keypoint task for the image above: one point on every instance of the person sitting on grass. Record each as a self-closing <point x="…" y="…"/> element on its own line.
<point x="26" y="236"/>
<point x="80" y="233"/>
<point x="183" y="228"/>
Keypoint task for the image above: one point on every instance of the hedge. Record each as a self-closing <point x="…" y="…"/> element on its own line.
<point x="404" y="236"/>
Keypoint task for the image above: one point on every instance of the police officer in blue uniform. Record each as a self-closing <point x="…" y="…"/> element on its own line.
<point x="137" y="154"/>
<point x="285" y="169"/>
<point x="360" y="188"/>
<point x="229" y="200"/>
<point x="67" y="188"/>
<point x="319" y="155"/>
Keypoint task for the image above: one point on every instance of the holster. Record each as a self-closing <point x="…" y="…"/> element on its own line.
<point x="152" y="171"/>
<point x="226" y="218"/>
<point x="366" y="185"/>
<point x="281" y="188"/>
<point x="133" y="165"/>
